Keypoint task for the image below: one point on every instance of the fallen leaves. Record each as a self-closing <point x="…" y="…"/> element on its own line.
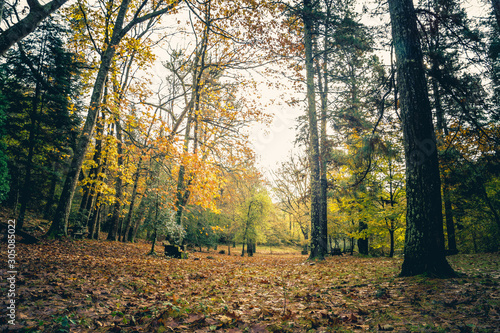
<point x="88" y="286"/>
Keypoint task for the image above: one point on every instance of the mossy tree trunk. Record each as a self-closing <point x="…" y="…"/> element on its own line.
<point x="318" y="236"/>
<point x="424" y="240"/>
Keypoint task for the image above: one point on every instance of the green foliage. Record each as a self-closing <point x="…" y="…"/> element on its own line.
<point x="204" y="227"/>
<point x="4" y="170"/>
<point x="161" y="221"/>
<point x="252" y="215"/>
<point x="40" y="80"/>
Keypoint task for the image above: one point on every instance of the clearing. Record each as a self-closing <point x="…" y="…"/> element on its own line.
<point x="90" y="286"/>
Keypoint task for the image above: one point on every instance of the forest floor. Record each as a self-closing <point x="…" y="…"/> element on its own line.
<point x="90" y="286"/>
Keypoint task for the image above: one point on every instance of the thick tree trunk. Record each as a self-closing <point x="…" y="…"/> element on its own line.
<point x="318" y="238"/>
<point x="323" y="87"/>
<point x="424" y="241"/>
<point x="28" y="24"/>
<point x="59" y="227"/>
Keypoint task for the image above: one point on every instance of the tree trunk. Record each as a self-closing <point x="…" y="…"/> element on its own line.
<point x="323" y="87"/>
<point x="318" y="239"/>
<point x="59" y="227"/>
<point x="363" y="242"/>
<point x="442" y="129"/>
<point x="93" y="219"/>
<point x="450" y="224"/>
<point x="391" y="235"/>
<point x="424" y="240"/>
<point x="153" y="243"/>
<point x="182" y="193"/>
<point x="115" y="220"/>
<point x="28" y="24"/>
<point x="251" y="248"/>
<point x="128" y="219"/>
<point x="90" y="197"/>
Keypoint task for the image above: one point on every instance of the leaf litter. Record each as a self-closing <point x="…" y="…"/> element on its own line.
<point x="89" y="286"/>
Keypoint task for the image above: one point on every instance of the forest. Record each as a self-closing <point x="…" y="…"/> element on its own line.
<point x="132" y="193"/>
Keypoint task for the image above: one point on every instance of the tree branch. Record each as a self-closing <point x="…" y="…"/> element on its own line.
<point x="28" y="24"/>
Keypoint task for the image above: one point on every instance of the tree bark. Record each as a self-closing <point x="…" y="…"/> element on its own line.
<point x="424" y="240"/>
<point x="318" y="239"/>
<point x="59" y="227"/>
<point x="323" y="87"/>
<point x="28" y="24"/>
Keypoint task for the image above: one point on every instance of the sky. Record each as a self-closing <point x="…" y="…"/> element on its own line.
<point x="274" y="143"/>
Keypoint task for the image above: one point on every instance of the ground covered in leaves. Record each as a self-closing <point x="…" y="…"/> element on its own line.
<point x="89" y="286"/>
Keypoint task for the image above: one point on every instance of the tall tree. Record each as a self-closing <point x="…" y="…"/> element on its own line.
<point x="424" y="242"/>
<point x="43" y="119"/>
<point x="4" y="170"/>
<point x="120" y="28"/>
<point x="37" y="13"/>
<point x="318" y="237"/>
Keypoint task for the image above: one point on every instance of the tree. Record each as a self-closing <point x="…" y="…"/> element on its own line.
<point x="43" y="123"/>
<point x="120" y="28"/>
<point x="318" y="237"/>
<point x="253" y="214"/>
<point x="37" y="13"/>
<point x="291" y="186"/>
<point x="424" y="240"/>
<point x="4" y="169"/>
